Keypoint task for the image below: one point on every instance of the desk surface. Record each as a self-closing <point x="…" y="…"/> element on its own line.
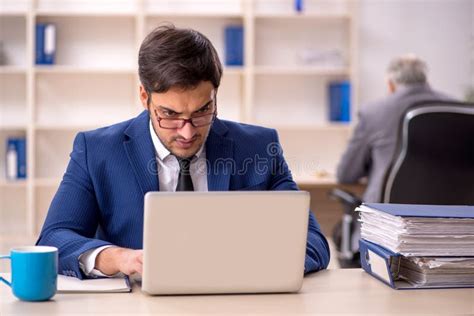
<point x="312" y="180"/>
<point x="350" y="292"/>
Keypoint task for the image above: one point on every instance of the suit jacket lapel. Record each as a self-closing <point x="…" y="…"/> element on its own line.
<point x="219" y="153"/>
<point x="141" y="153"/>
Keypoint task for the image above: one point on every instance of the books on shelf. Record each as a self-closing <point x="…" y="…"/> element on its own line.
<point x="45" y="43"/>
<point x="418" y="246"/>
<point x="15" y="158"/>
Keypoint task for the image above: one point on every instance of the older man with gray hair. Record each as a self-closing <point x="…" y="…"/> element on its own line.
<point x="373" y="143"/>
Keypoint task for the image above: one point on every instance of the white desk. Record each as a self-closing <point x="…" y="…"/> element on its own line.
<point x="350" y="292"/>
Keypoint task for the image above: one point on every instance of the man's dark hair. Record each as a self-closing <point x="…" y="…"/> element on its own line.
<point x="174" y="57"/>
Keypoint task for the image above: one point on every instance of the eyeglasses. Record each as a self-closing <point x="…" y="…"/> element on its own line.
<point x="177" y="123"/>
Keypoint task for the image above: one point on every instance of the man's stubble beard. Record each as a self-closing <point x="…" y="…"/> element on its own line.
<point x="175" y="138"/>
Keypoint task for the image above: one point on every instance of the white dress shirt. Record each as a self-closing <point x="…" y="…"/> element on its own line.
<point x="168" y="172"/>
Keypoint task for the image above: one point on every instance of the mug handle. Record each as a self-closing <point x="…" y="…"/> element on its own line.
<point x="2" y="279"/>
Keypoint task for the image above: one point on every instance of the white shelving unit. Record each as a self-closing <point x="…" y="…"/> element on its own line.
<point x="95" y="82"/>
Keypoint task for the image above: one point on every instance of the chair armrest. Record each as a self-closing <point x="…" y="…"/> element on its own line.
<point x="348" y="199"/>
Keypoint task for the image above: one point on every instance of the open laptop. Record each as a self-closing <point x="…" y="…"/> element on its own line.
<point x="224" y="242"/>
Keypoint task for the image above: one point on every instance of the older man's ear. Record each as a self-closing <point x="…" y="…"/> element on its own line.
<point x="392" y="87"/>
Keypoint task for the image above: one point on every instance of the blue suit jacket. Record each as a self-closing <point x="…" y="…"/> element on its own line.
<point x="100" y="199"/>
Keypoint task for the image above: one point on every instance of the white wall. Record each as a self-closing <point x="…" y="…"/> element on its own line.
<point x="439" y="31"/>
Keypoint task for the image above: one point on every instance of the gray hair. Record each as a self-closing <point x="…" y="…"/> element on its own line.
<point x="407" y="70"/>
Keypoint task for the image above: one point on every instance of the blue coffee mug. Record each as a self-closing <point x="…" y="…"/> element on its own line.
<point x="34" y="272"/>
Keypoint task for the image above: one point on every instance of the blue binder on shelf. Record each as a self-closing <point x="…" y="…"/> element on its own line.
<point x="234" y="45"/>
<point x="45" y="43"/>
<point x="340" y="101"/>
<point x="299" y="6"/>
<point x="21" y="152"/>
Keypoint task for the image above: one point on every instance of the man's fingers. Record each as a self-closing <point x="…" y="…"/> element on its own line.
<point x="133" y="262"/>
<point x="136" y="268"/>
<point x="140" y="269"/>
<point x="140" y="263"/>
<point x="140" y="258"/>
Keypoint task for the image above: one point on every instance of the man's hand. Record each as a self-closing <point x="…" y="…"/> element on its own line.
<point x="115" y="259"/>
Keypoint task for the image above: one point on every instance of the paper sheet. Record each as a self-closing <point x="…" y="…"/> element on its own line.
<point x="68" y="284"/>
<point x="418" y="236"/>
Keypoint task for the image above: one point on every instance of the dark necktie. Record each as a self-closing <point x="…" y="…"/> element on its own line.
<point x="185" y="183"/>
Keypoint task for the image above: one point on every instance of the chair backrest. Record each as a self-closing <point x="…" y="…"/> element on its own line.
<point x="434" y="160"/>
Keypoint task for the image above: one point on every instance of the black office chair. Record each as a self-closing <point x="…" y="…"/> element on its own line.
<point x="433" y="164"/>
<point x="345" y="234"/>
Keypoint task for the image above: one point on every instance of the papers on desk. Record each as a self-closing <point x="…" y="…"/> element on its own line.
<point x="68" y="284"/>
<point x="419" y="230"/>
<point x="436" y="272"/>
<point x="418" y="246"/>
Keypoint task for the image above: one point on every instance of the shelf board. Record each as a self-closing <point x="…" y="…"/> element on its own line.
<point x="12" y="70"/>
<point x="59" y="69"/>
<point x="13" y="13"/>
<point x="301" y="70"/>
<point x="77" y="13"/>
<point x="304" y="16"/>
<point x="194" y="15"/>
<point x="13" y="127"/>
<point x="47" y="182"/>
<point x="233" y="70"/>
<point x="70" y="127"/>
<point x="13" y="183"/>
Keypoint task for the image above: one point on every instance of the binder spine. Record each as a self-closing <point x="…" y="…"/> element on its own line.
<point x="39" y="39"/>
<point x="299" y="6"/>
<point x="45" y="43"/>
<point x="21" y="158"/>
<point x="49" y="44"/>
<point x="16" y="158"/>
<point x="376" y="261"/>
<point x="340" y="101"/>
<point x="234" y="46"/>
<point x="11" y="158"/>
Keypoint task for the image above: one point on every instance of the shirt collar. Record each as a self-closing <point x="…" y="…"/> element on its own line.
<point x="161" y="151"/>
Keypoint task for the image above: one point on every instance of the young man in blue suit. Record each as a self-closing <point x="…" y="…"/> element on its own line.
<point x="177" y="144"/>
